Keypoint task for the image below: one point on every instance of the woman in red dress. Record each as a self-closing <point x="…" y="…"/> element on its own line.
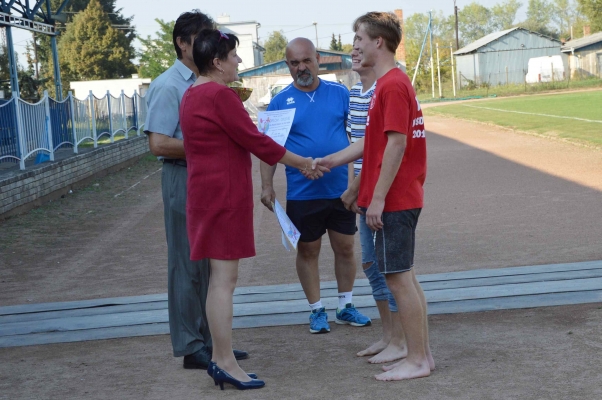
<point x="219" y="138"/>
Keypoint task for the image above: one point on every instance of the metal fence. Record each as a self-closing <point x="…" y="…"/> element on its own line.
<point x="38" y="130"/>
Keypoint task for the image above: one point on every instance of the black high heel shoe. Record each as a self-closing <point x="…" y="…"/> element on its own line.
<point x="211" y="368"/>
<point x="220" y="377"/>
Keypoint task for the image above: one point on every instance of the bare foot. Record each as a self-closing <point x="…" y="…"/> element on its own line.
<point x="390" y="367"/>
<point x="390" y="353"/>
<point x="405" y="370"/>
<point x="431" y="360"/>
<point x="373" y="349"/>
<point x="429" y="357"/>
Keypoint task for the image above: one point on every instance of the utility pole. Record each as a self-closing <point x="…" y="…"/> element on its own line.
<point x="316" y="26"/>
<point x="35" y="54"/>
<point x="439" y="72"/>
<point x="431" y="45"/>
<point x="456" y="14"/>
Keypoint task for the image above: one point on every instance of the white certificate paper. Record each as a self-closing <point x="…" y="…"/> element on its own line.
<point x="276" y="124"/>
<point x="289" y="230"/>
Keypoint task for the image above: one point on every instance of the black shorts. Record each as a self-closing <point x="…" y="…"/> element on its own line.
<point x="314" y="217"/>
<point x="394" y="243"/>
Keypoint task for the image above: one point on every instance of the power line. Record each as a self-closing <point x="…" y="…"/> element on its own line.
<point x="298" y="29"/>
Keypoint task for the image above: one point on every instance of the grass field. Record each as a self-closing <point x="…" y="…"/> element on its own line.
<point x="572" y="116"/>
<point x="425" y="94"/>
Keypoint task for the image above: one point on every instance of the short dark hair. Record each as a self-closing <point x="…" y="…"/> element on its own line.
<point x="210" y="44"/>
<point x="190" y="24"/>
<point x="381" y="24"/>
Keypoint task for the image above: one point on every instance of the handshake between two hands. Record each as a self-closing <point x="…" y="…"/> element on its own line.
<point x="315" y="168"/>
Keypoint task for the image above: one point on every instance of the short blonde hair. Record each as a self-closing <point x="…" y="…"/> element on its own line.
<point x="381" y="24"/>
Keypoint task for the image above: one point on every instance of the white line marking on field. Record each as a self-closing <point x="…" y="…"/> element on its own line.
<point x="526" y="113"/>
<point x="136" y="184"/>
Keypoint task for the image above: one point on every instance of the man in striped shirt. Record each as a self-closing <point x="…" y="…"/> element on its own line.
<point x="388" y="348"/>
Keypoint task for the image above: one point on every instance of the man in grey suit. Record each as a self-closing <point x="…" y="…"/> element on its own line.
<point x="187" y="280"/>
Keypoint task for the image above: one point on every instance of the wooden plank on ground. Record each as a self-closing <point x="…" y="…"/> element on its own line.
<point x="70" y="305"/>
<point x="299" y="305"/>
<point x="443" y="295"/>
<point x="541" y="300"/>
<point x="480" y="273"/>
<point x="84" y="335"/>
<point x="295" y="287"/>
<point x="298" y="295"/>
<point x="427" y="286"/>
<point x="80" y="312"/>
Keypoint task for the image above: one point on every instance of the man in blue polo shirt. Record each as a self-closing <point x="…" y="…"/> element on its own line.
<point x="315" y="207"/>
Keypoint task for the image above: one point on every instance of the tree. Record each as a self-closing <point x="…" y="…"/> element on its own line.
<point x="158" y="53"/>
<point x="29" y="84"/>
<point x="539" y="16"/>
<point x="118" y="20"/>
<point x="339" y="44"/>
<point x="592" y="9"/>
<point x="566" y="14"/>
<point x="504" y="14"/>
<point x="347" y="48"/>
<point x="4" y="71"/>
<point x="333" y="43"/>
<point x="443" y="33"/>
<point x="74" y="7"/>
<point x="474" y="22"/>
<point x="275" y="46"/>
<point x="92" y="49"/>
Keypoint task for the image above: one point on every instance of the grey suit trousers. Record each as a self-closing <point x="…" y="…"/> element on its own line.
<point x="187" y="281"/>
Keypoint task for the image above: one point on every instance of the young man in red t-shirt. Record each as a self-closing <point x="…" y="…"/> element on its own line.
<point x="393" y="173"/>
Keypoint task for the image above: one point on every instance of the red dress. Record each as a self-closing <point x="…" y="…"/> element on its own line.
<point x="219" y="138"/>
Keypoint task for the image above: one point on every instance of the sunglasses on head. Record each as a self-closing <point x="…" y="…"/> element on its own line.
<point x="222" y="35"/>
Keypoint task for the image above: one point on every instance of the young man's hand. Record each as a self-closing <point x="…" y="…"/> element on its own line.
<point x="374" y="215"/>
<point x="323" y="162"/>
<point x="349" y="199"/>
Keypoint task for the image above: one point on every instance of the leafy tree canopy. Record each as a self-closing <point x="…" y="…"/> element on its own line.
<point x="92" y="49"/>
<point x="504" y="14"/>
<point x="334" y="45"/>
<point x="347" y="48"/>
<point x="474" y="22"/>
<point x="539" y="17"/>
<point x="275" y="46"/>
<point x="592" y="9"/>
<point x="158" y="53"/>
<point x="74" y="8"/>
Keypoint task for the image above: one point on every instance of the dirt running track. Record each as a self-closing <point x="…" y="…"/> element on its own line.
<point x="494" y="198"/>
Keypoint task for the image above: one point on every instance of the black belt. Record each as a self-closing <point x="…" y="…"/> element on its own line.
<point x="175" y="161"/>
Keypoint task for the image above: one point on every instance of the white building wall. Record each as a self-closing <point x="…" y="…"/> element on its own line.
<point x="247" y="33"/>
<point x="246" y="52"/>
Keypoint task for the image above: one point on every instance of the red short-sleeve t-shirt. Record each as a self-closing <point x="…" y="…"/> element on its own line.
<point x="395" y="107"/>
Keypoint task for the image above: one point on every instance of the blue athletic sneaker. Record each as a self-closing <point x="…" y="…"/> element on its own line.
<point x="350" y="315"/>
<point x="318" y="321"/>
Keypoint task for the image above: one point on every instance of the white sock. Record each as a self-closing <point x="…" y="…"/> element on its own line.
<point x="316" y="305"/>
<point x="344" y="299"/>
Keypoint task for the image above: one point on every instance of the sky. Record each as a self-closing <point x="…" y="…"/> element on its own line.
<point x="294" y="18"/>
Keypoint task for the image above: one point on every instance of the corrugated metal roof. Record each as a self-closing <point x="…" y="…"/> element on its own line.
<point x="330" y="59"/>
<point x="582" y="42"/>
<point x="485" y="40"/>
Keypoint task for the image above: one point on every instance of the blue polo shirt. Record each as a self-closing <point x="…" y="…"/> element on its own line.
<point x="163" y="100"/>
<point x="319" y="129"/>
